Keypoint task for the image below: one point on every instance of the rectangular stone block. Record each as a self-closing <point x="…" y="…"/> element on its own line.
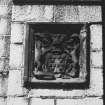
<point x="38" y="101"/>
<point x="33" y="13"/>
<point x="5" y="26"/>
<point x="3" y="86"/>
<point x="17" y="32"/>
<point x="64" y="13"/>
<point x="96" y="59"/>
<point x="96" y="36"/>
<point x="2" y="101"/>
<point x="5" y="10"/>
<point x="90" y="13"/>
<point x="96" y="82"/>
<point x="17" y="101"/>
<point x="77" y="13"/>
<point x="58" y="93"/>
<point x="15" y="83"/>
<point x="4" y="46"/>
<point x="85" y="101"/>
<point x="16" y="56"/>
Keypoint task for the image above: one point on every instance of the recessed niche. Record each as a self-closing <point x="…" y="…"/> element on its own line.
<point x="57" y="56"/>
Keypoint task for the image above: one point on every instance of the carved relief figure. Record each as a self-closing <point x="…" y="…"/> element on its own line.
<point x="57" y="55"/>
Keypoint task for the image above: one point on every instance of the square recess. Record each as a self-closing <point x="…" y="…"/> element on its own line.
<point x="57" y="56"/>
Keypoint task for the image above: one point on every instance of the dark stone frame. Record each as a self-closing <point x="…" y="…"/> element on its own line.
<point x="29" y="65"/>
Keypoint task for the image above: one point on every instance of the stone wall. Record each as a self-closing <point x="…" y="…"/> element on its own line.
<point x="5" y="34"/>
<point x="13" y="22"/>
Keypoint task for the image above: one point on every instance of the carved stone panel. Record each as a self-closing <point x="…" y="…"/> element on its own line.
<point x="58" y="53"/>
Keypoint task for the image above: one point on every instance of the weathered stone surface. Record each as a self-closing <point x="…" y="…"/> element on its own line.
<point x="2" y="46"/>
<point x="96" y="59"/>
<point x="1" y="64"/>
<point x="7" y="46"/>
<point x="16" y="56"/>
<point x="5" y="10"/>
<point x="15" y="83"/>
<point x="96" y="83"/>
<point x="2" y="101"/>
<point x="4" y="26"/>
<point x="5" y="2"/>
<point x="38" y="101"/>
<point x="85" y="101"/>
<point x="66" y="13"/>
<point x="90" y="13"/>
<point x="4" y="64"/>
<point x="96" y="36"/>
<point x="34" y="13"/>
<point x="4" y="52"/>
<point x="77" y="13"/>
<point x="17" y="101"/>
<point x="17" y="32"/>
<point x="58" y="93"/>
<point x="3" y="86"/>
